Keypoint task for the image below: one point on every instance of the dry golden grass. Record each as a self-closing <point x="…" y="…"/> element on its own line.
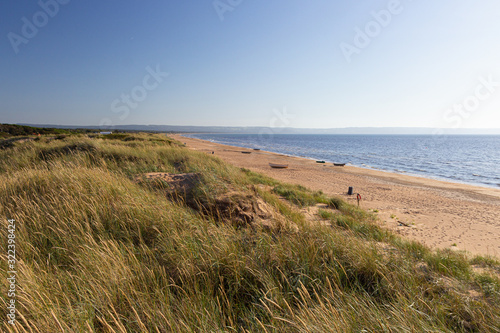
<point x="100" y="252"/>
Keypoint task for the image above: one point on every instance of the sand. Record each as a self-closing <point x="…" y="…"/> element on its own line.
<point x="437" y="213"/>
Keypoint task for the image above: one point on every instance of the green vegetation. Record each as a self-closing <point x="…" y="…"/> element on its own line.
<point x="8" y="130"/>
<point x="233" y="251"/>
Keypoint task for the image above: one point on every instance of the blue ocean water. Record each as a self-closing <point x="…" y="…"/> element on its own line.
<point x="472" y="159"/>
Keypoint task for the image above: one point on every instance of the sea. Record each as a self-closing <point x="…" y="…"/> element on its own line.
<point x="469" y="159"/>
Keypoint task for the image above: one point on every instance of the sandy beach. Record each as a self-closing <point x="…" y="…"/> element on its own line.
<point x="437" y="213"/>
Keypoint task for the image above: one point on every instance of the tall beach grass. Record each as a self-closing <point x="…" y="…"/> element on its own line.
<point x="100" y="252"/>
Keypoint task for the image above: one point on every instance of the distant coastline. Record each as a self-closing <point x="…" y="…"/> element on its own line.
<point x="288" y="130"/>
<point x="456" y="159"/>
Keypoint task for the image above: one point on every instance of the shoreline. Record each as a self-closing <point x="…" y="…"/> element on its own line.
<point x="397" y="172"/>
<point x="440" y="214"/>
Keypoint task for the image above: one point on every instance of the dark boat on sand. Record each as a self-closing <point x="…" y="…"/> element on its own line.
<point x="278" y="166"/>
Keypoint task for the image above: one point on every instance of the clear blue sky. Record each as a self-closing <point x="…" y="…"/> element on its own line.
<point x="240" y="62"/>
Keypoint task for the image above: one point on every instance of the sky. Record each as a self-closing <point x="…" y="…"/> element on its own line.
<point x="281" y="63"/>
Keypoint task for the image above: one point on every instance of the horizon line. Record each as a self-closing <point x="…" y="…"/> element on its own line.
<point x="281" y="128"/>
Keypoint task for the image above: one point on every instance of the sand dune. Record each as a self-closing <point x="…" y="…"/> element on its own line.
<point x="439" y="214"/>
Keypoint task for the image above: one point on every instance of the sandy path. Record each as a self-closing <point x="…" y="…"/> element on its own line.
<point x="439" y="214"/>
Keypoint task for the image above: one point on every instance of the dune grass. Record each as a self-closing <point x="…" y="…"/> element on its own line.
<point x="100" y="252"/>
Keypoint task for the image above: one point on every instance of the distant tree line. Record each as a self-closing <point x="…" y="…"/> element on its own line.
<point x="8" y="130"/>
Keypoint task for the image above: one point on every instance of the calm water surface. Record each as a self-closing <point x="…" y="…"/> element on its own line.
<point x="459" y="158"/>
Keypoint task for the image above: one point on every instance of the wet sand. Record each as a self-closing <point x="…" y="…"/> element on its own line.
<point x="437" y="213"/>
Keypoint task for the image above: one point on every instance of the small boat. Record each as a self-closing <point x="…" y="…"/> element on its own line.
<point x="338" y="164"/>
<point x="278" y="166"/>
<point x="246" y="152"/>
<point x="256" y="149"/>
<point x="320" y="161"/>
